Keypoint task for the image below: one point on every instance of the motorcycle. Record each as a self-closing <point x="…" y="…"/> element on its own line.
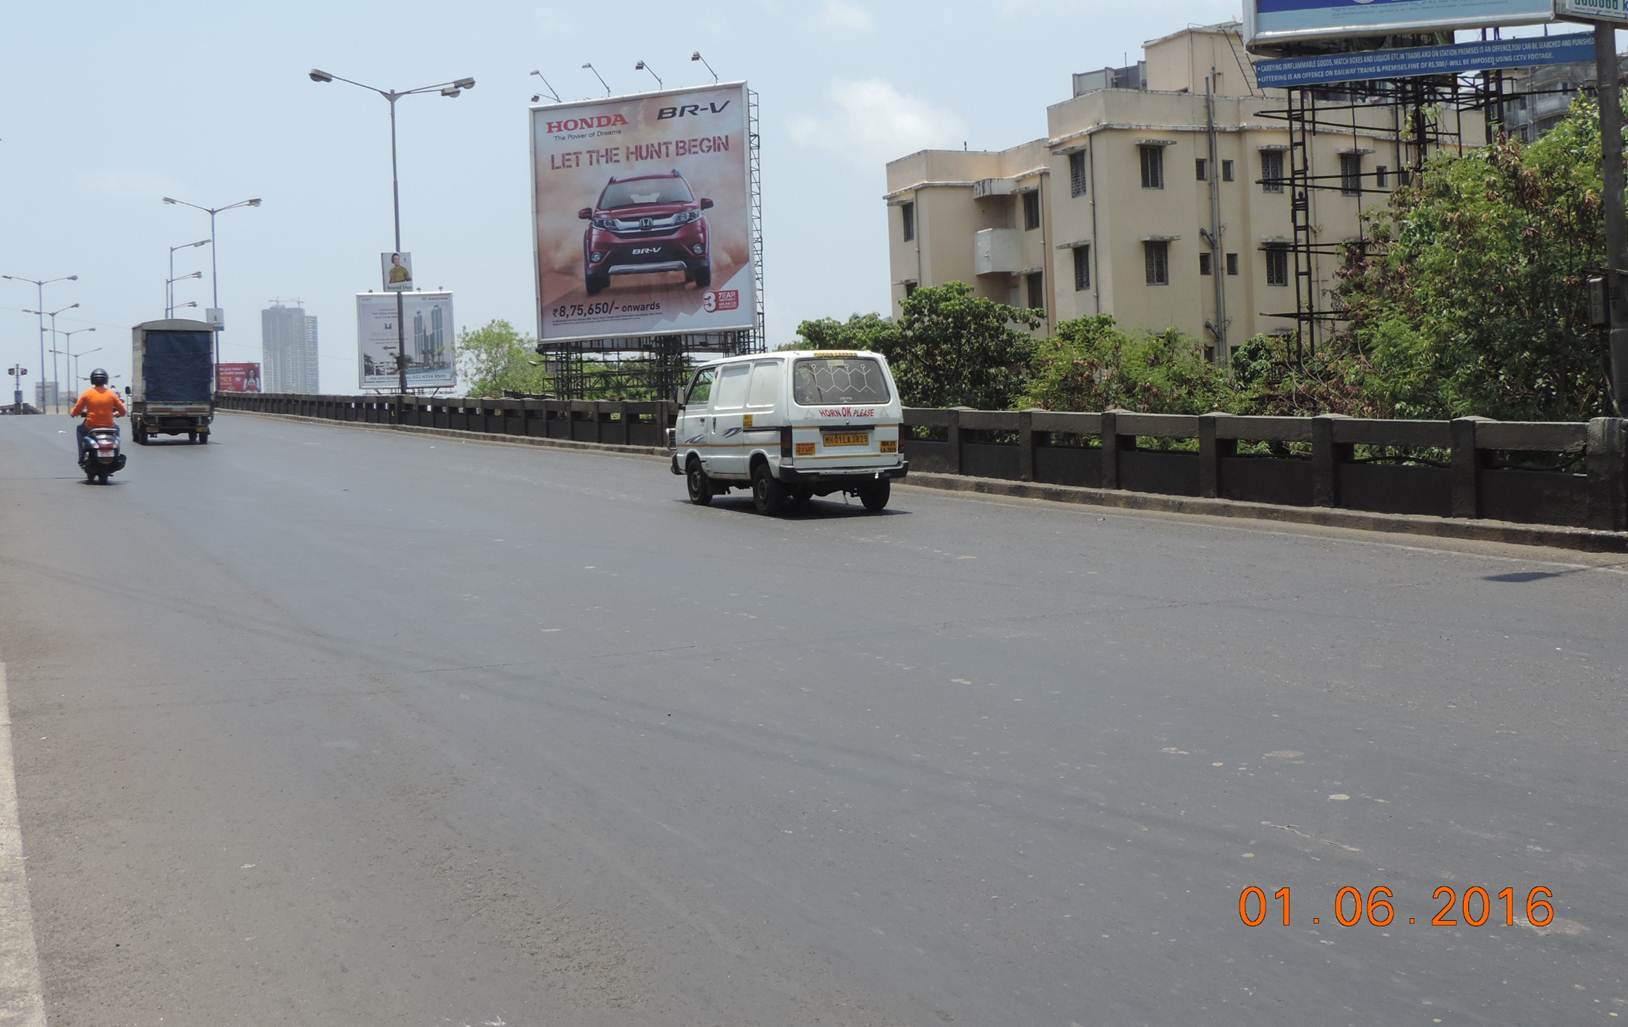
<point x="99" y="457"/>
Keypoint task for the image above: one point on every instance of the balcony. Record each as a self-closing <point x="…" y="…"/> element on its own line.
<point x="996" y="251"/>
<point x="989" y="188"/>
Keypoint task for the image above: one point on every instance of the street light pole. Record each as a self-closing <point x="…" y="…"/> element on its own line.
<point x="39" y="307"/>
<point x="169" y="291"/>
<point x="67" y="342"/>
<point x="214" y="276"/>
<point x="448" y="89"/>
<point x="1616" y="219"/>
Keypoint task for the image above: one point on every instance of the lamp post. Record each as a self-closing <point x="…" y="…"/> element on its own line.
<point x="214" y="272"/>
<point x="641" y="66"/>
<point x="696" y="56"/>
<point x="169" y="289"/>
<point x="590" y="67"/>
<point x="52" y="314"/>
<point x="552" y="92"/>
<point x="39" y="286"/>
<point x="73" y="358"/>
<point x="451" y="90"/>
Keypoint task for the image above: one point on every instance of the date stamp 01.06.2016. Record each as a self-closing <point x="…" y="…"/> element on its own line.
<point x="1475" y="906"/>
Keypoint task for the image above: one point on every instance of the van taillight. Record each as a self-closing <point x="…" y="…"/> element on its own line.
<point x="785" y="443"/>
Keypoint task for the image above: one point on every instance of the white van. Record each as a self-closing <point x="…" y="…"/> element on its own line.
<point x="791" y="426"/>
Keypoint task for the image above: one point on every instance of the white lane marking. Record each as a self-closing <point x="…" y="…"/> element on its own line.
<point x="22" y="1000"/>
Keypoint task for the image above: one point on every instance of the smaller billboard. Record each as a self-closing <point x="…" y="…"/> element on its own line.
<point x="396" y="271"/>
<point x="426" y="329"/>
<point x="1269" y="22"/>
<point x="238" y="378"/>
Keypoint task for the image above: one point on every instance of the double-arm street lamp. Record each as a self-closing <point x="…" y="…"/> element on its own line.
<point x="67" y="351"/>
<point x="52" y="314"/>
<point x="169" y="291"/>
<point x="169" y="287"/>
<point x="448" y="89"/>
<point x="39" y="285"/>
<point x="214" y="272"/>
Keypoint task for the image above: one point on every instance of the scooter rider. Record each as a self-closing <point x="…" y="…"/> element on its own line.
<point x="99" y="405"/>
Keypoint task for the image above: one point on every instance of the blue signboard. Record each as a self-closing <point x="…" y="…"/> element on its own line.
<point x="1415" y="62"/>
<point x="1276" y="21"/>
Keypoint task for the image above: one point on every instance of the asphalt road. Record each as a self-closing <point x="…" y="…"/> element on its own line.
<point x="318" y="725"/>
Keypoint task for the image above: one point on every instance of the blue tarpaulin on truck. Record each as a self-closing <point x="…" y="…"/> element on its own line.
<point x="176" y="367"/>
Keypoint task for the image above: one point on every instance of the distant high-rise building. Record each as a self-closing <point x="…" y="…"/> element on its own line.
<point x="289" y="350"/>
<point x="313" y="362"/>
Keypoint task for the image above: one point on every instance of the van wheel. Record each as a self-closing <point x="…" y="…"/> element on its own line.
<point x="875" y="494"/>
<point x="768" y="495"/>
<point x="695" y="476"/>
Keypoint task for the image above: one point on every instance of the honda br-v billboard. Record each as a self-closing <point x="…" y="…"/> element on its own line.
<point x="642" y="213"/>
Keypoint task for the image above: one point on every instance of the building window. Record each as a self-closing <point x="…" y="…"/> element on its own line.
<point x="1277" y="265"/>
<point x="1226" y="171"/>
<point x="1037" y="290"/>
<point x="1204" y="263"/>
<point x="1082" y="268"/>
<point x="1232" y="264"/>
<point x="1382" y="177"/>
<point x="1031" y="210"/>
<point x="1202" y="166"/>
<point x="1157" y="257"/>
<point x="1272" y="170"/>
<point x="909" y="289"/>
<point x="1351" y="174"/>
<point x="908" y="212"/>
<point x="1076" y="173"/>
<point x="1152" y="167"/>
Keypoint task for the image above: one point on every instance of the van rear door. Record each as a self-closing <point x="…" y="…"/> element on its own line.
<point x="847" y="415"/>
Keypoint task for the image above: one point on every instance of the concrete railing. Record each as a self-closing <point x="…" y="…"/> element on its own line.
<point x="1571" y="474"/>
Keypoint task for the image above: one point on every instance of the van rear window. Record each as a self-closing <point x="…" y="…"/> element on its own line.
<point x="822" y="380"/>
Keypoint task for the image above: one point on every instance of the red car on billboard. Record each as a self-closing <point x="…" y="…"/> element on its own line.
<point x="649" y="224"/>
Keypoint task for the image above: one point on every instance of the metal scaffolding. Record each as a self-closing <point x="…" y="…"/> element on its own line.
<point x="1426" y="117"/>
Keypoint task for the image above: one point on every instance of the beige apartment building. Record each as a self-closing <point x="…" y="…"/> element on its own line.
<point x="1149" y="199"/>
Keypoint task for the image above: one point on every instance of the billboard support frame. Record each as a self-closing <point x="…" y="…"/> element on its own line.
<point x="1317" y="110"/>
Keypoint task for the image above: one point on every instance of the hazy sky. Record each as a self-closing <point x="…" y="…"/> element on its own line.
<point x="108" y="106"/>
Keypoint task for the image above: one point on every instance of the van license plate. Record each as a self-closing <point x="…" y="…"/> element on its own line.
<point x="847" y="438"/>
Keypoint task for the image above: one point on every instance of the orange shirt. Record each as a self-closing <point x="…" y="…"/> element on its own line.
<point x="100" y="405"/>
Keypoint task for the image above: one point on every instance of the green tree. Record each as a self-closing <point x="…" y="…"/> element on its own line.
<point x="1473" y="299"/>
<point x="1091" y="364"/>
<point x="496" y="359"/>
<point x="860" y="332"/>
<point x="953" y="348"/>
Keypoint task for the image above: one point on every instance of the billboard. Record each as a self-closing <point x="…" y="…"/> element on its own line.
<point x="430" y="340"/>
<point x="1267" y="22"/>
<point x="641" y="215"/>
<point x="1366" y="65"/>
<point x="237" y="378"/>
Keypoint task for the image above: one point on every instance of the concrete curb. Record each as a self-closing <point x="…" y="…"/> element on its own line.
<point x="1552" y="536"/>
<point x="1585" y="540"/>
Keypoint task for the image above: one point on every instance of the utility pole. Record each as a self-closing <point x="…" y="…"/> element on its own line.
<point x="1608" y="74"/>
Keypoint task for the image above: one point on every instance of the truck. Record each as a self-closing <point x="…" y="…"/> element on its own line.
<point x="172" y="369"/>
